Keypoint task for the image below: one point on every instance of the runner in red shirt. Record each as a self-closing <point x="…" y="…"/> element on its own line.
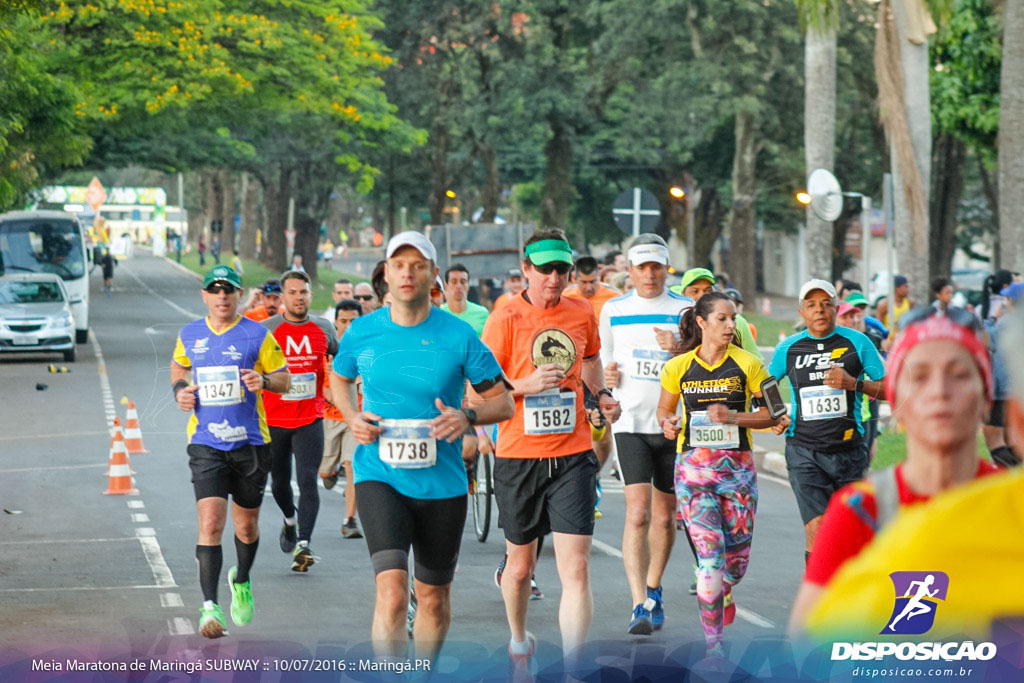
<point x="296" y="418"/>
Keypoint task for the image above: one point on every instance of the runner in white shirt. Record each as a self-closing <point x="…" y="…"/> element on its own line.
<point x="637" y="339"/>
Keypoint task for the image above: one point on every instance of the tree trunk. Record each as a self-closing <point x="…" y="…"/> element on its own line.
<point x="819" y="136"/>
<point x="707" y="224"/>
<point x="911" y="157"/>
<point x="490" y="193"/>
<point x="307" y="237"/>
<point x="250" y="217"/>
<point x="1011" y="139"/>
<point x="949" y="186"/>
<point x="558" y="190"/>
<point x="742" y="241"/>
<point x="837" y="246"/>
<point x="227" y="211"/>
<point x="276" y="191"/>
<point x="439" y="175"/>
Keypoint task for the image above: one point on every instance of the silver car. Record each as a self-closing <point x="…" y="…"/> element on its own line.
<point x="35" y="315"/>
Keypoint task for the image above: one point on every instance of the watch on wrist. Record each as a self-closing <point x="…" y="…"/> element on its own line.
<point x="859" y="386"/>
<point x="470" y="415"/>
<point x="264" y="382"/>
<point x="606" y="392"/>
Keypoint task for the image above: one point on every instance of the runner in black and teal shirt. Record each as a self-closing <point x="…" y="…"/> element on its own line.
<point x="825" y="364"/>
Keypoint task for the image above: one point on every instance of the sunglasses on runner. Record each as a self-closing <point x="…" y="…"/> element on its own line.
<point x="559" y="267"/>
<point x="957" y="316"/>
<point x="271" y="289"/>
<point x="218" y="288"/>
<point x="434" y="291"/>
<point x="363" y="297"/>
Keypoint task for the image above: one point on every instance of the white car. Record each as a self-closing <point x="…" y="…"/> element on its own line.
<point x="35" y="315"/>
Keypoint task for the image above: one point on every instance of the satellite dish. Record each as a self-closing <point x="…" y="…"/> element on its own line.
<point x="826" y="195"/>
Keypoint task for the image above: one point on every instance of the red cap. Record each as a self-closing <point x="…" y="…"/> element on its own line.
<point x="933" y="329"/>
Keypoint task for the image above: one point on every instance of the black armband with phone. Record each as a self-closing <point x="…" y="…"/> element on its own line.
<point x="771" y="397"/>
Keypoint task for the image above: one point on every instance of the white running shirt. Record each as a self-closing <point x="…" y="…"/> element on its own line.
<point x="628" y="338"/>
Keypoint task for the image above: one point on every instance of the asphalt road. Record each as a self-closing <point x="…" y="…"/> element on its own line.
<point x="112" y="575"/>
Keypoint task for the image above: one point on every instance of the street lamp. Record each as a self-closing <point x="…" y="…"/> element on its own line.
<point x="677" y="192"/>
<point x="450" y="194"/>
<point x="803" y="198"/>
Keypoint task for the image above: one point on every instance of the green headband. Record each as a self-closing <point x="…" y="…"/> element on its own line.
<point x="546" y="251"/>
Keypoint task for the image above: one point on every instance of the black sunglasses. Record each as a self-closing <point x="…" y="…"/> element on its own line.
<point x="271" y="289"/>
<point x="957" y="316"/>
<point x="217" y="289"/>
<point x="559" y="267"/>
<point x="364" y="297"/>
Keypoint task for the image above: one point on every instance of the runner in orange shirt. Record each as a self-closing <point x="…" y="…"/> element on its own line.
<point x="545" y="472"/>
<point x="267" y="302"/>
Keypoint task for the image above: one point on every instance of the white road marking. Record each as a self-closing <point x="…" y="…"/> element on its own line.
<point x="171" y="600"/>
<point x="161" y="572"/>
<point x="140" y="517"/>
<point x="607" y="549"/>
<point x="35" y="437"/>
<point x="772" y="477"/>
<point x="69" y="540"/>
<point x="55" y="467"/>
<point x="136" y="504"/>
<point x="188" y="314"/>
<point x="753" y="617"/>
<point x="180" y="626"/>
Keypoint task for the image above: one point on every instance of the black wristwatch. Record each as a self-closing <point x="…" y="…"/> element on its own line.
<point x="264" y="382"/>
<point x="470" y="415"/>
<point x="606" y="392"/>
<point x="859" y="386"/>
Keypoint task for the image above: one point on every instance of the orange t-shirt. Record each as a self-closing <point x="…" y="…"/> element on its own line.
<point x="603" y="295"/>
<point x="331" y="412"/>
<point x="523" y="336"/>
<point x="259" y="314"/>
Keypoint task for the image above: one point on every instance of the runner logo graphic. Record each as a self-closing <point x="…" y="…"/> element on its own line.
<point x="917" y="598"/>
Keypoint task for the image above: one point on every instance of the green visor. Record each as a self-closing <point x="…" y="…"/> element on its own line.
<point x="547" y="251"/>
<point x="694" y="274"/>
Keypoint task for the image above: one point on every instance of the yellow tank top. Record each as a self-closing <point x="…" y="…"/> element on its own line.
<point x="897" y="311"/>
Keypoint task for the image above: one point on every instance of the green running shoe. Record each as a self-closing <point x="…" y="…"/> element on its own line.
<point x="211" y="623"/>
<point x="241" y="599"/>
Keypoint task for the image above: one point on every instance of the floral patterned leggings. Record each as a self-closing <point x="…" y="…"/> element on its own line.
<point x="717" y="494"/>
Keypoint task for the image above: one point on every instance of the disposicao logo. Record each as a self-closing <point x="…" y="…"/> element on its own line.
<point x="917" y="598"/>
<point x="918" y="595"/>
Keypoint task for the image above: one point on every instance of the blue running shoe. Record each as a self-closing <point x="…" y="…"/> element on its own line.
<point x="658" y="611"/>
<point x="641" y="623"/>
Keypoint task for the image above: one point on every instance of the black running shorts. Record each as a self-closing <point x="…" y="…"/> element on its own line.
<point x="538" y="496"/>
<point x="392" y="523"/>
<point x="646" y="459"/>
<point x="241" y="473"/>
<point x="815" y="476"/>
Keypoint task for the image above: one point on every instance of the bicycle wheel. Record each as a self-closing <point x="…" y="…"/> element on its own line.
<point x="482" y="497"/>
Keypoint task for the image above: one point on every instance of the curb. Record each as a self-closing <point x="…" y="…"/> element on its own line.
<point x="771" y="462"/>
<point x="183" y="268"/>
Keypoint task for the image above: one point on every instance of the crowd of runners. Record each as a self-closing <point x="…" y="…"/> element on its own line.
<point x="397" y="386"/>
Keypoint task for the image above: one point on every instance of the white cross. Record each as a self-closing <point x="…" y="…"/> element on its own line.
<point x="636" y="212"/>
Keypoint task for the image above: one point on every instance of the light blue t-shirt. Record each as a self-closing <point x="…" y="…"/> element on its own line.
<point x="404" y="369"/>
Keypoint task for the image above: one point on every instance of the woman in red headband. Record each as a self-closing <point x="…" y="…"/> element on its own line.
<point x="939" y="385"/>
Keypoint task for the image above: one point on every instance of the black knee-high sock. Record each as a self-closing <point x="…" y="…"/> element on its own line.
<point x="246" y="554"/>
<point x="211" y="559"/>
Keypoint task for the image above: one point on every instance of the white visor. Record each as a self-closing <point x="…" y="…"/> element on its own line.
<point x="644" y="253"/>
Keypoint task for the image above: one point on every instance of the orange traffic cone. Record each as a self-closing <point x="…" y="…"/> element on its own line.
<point x="120" y="482"/>
<point x="132" y="433"/>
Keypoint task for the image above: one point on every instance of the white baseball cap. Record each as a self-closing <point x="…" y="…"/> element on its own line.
<point x="645" y="253"/>
<point x="811" y="285"/>
<point x="411" y="238"/>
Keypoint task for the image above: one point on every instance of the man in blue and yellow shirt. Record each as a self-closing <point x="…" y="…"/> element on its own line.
<point x="220" y="364"/>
